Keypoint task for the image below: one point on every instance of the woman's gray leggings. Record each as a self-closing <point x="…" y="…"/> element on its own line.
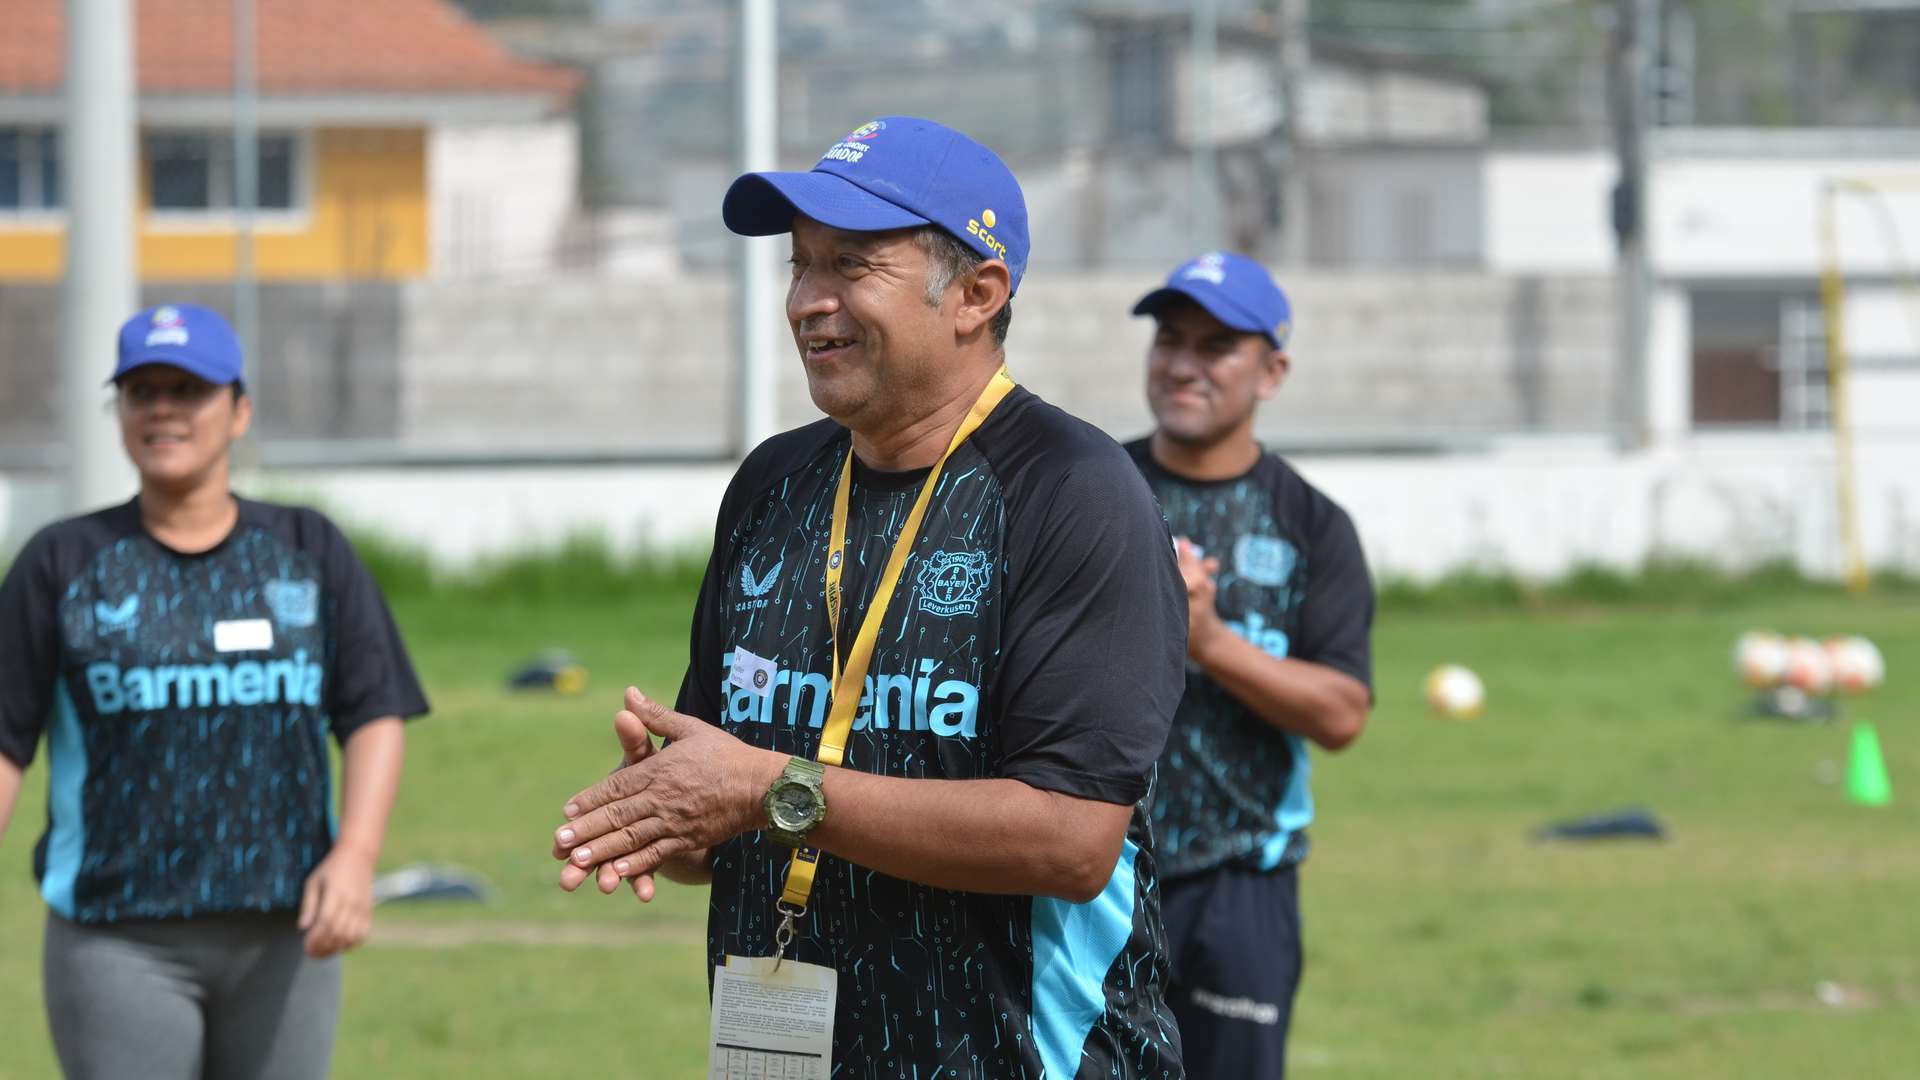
<point x="212" y="998"/>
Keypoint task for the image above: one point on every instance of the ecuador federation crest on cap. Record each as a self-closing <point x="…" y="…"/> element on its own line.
<point x="169" y="327"/>
<point x="952" y="582"/>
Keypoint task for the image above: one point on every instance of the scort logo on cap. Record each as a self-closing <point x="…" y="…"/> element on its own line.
<point x="866" y="131"/>
<point x="977" y="228"/>
<point x="167" y="316"/>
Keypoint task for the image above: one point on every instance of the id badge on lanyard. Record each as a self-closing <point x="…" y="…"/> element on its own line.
<point x="772" y="1011"/>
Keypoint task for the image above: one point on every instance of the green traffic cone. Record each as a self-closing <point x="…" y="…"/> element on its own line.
<point x="1867" y="781"/>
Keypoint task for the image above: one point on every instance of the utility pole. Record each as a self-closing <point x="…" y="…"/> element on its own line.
<point x="246" y="178"/>
<point x="1203" y="180"/>
<point x="1296" y="56"/>
<point x="757" y="58"/>
<point x="1630" y="71"/>
<point x="102" y="287"/>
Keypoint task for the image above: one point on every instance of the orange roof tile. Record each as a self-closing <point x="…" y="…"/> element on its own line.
<point x="304" y="46"/>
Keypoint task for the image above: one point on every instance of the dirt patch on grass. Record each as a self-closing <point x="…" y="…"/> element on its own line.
<point x="407" y="935"/>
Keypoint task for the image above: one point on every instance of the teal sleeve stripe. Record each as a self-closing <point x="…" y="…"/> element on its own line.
<point x="67" y="836"/>
<point x="1074" y="946"/>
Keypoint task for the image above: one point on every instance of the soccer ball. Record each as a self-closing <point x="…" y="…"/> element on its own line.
<point x="1808" y="668"/>
<point x="1760" y="658"/>
<point x="1856" y="664"/>
<point x="1455" y="692"/>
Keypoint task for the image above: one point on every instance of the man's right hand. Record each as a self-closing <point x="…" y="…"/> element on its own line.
<point x="636" y="746"/>
<point x="682" y="802"/>
<point x="1197" y="571"/>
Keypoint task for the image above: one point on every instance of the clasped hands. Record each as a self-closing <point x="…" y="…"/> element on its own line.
<point x="665" y="806"/>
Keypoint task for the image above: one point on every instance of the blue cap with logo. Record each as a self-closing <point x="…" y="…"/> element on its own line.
<point x="896" y="172"/>
<point x="1232" y="288"/>
<point x="190" y="337"/>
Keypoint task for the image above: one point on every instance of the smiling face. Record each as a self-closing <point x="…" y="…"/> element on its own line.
<point x="178" y="428"/>
<point x="1205" y="379"/>
<point x="872" y="344"/>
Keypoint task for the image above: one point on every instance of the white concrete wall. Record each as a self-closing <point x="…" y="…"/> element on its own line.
<point x="1542" y="510"/>
<point x="1398" y="208"/>
<point x="1349" y="105"/>
<point x="1537" y="507"/>
<point x="1241" y="102"/>
<point x="1722" y="205"/>
<point x="1760" y="216"/>
<point x="500" y="195"/>
<point x="1547" y="211"/>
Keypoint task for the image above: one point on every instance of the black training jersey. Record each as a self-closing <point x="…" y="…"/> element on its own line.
<point x="187" y="701"/>
<point x="1293" y="581"/>
<point x="1036" y="634"/>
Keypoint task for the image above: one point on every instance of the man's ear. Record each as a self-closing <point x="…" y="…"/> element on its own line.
<point x="983" y="292"/>
<point x="1277" y="366"/>
<point x="242" y="416"/>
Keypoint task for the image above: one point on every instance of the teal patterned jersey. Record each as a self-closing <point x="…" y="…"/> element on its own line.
<point x="1036" y="635"/>
<point x="187" y="700"/>
<point x="1233" y="789"/>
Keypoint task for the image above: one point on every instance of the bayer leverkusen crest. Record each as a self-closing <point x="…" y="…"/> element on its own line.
<point x="294" y="603"/>
<point x="952" y="582"/>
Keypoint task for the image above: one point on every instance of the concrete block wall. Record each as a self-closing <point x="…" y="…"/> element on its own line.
<point x="647" y="363"/>
<point x="572" y="362"/>
<point x="326" y="366"/>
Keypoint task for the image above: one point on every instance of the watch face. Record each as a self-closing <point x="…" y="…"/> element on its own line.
<point x="793" y="806"/>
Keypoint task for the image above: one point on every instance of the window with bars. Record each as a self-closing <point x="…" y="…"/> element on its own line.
<point x="29" y="169"/>
<point x="1138" y="109"/>
<point x="194" y="171"/>
<point x="1759" y="360"/>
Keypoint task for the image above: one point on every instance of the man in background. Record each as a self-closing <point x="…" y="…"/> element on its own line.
<point x="1279" y="606"/>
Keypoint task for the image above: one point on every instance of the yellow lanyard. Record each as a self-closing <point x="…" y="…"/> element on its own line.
<point x="849" y="684"/>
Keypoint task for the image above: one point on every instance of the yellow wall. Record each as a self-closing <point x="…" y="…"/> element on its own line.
<point x="366" y="217"/>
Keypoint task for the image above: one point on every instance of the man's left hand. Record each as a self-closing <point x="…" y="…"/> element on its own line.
<point x="701" y="789"/>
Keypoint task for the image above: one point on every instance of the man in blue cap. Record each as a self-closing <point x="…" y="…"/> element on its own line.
<point x="934" y="659"/>
<point x="1279" y="608"/>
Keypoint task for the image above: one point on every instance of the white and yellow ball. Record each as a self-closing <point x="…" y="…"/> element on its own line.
<point x="1856" y="664"/>
<point x="1455" y="692"/>
<point x="1808" y="668"/>
<point x="1760" y="659"/>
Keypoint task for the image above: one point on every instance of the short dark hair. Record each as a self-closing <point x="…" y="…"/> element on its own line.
<point x="948" y="260"/>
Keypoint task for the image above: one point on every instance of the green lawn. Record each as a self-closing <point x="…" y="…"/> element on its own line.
<point x="1442" y="940"/>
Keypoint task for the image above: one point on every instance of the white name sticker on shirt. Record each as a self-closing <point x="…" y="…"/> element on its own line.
<point x="243" y="635"/>
<point x="771" y="1023"/>
<point x="752" y="673"/>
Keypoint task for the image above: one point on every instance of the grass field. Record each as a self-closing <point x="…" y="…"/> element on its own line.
<point x="1442" y="940"/>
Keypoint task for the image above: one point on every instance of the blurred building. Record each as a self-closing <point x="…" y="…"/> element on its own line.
<point x="537" y="335"/>
<point x="375" y="124"/>
<point x="396" y="141"/>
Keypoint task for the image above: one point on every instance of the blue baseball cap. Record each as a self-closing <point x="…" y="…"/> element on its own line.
<point x="896" y="172"/>
<point x="190" y="337"/>
<point x="1232" y="288"/>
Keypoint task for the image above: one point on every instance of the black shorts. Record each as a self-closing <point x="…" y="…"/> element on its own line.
<point x="1234" y="938"/>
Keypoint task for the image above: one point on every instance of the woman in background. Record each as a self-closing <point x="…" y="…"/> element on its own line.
<point x="187" y="654"/>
